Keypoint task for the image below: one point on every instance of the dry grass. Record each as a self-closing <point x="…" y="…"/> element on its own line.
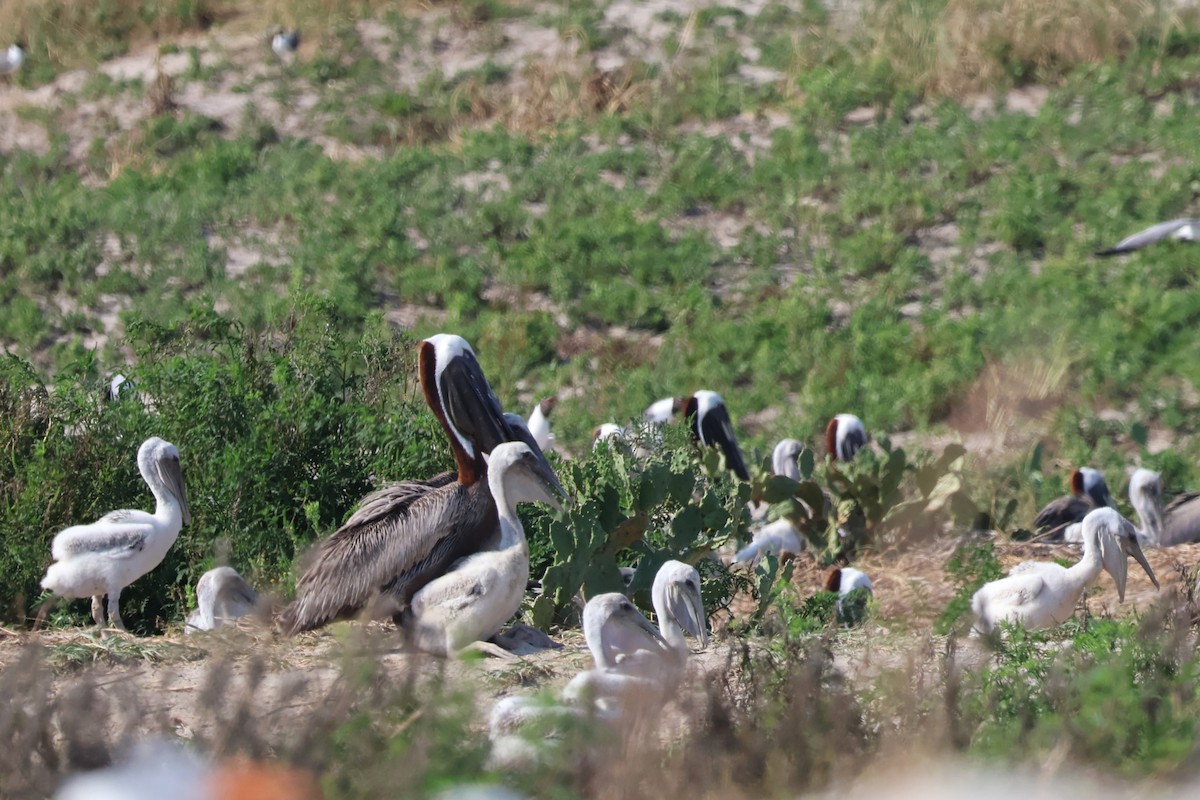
<point x="972" y="45"/>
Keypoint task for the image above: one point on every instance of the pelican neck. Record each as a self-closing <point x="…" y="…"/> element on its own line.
<point x="512" y="532"/>
<point x="1090" y="564"/>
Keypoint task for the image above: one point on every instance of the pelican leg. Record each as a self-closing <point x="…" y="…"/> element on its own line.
<point x="114" y="610"/>
<point x="98" y="609"/>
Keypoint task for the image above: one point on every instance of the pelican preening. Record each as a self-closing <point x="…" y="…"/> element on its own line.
<point x="222" y="595"/>
<point x="1042" y="595"/>
<point x="1183" y="229"/>
<point x="1178" y="523"/>
<point x="483" y="591"/>
<point x="845" y="435"/>
<point x="111" y="553"/>
<point x="1088" y="492"/>
<point x="539" y="423"/>
<point x="405" y="535"/>
<point x="785" y="458"/>
<point x="708" y="420"/>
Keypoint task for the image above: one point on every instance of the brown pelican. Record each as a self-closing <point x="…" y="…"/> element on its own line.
<point x="285" y="43"/>
<point x="407" y="534"/>
<point x="845" y="435"/>
<point x="708" y="419"/>
<point x="785" y="458"/>
<point x="1042" y="595"/>
<point x="607" y="432"/>
<point x="122" y="546"/>
<point x="12" y="59"/>
<point x="222" y="595"/>
<point x="483" y="591"/>
<point x="846" y="581"/>
<point x="539" y="423"/>
<point x="773" y="538"/>
<point x="1183" y="229"/>
<point x="1178" y="523"/>
<point x="1088" y="491"/>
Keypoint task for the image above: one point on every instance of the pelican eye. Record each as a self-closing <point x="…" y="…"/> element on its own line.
<point x="690" y="584"/>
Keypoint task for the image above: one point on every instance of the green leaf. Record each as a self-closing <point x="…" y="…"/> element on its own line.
<point x="779" y="488"/>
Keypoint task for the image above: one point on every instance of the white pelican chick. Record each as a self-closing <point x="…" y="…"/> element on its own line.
<point x="111" y="553"/>
<point x="1042" y="595"/>
<point x="481" y="592"/>
<point x="539" y="423"/>
<point x="222" y="595"/>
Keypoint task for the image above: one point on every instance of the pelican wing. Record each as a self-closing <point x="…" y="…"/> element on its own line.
<point x="392" y="551"/>
<point x="395" y="498"/>
<point x="111" y="539"/>
<point x="1012" y="592"/>
<point x="1181" y="519"/>
<point x="1182" y="228"/>
<point x="1062" y="511"/>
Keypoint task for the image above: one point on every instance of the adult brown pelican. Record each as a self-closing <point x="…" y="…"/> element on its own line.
<point x="1178" y="523"/>
<point x="708" y="419"/>
<point x="845" y="435"/>
<point x="407" y="534"/>
<point x="1183" y="229"/>
<point x="1088" y="492"/>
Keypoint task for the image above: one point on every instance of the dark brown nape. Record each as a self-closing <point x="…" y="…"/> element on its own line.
<point x="831" y="438"/>
<point x="547" y="405"/>
<point x="1077" y="483"/>
<point x="468" y="471"/>
<point x="833" y="581"/>
<point x="685" y="406"/>
<point x="595" y="433"/>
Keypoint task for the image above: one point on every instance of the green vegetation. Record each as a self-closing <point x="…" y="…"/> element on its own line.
<point x="890" y="211"/>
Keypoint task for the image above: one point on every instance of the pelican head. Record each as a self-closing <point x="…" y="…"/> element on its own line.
<point x="612" y="625"/>
<point x="783" y="458"/>
<point x="608" y="432"/>
<point x="1090" y="482"/>
<point x="676" y="590"/>
<point x="525" y="475"/>
<point x="1145" y="494"/>
<point x="845" y="435"/>
<point x="158" y="461"/>
<point x="1117" y="539"/>
<point x="711" y="425"/>
<point x="460" y="395"/>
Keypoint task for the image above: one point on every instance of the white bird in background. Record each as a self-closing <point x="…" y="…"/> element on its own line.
<point x="285" y="43"/>
<point x="607" y="432"/>
<point x="111" y="553"/>
<point x="1145" y="495"/>
<point x="781" y="535"/>
<point x="12" y="59"/>
<point x="1184" y="229"/>
<point x="539" y="423"/>
<point x="1042" y="595"/>
<point x="854" y="590"/>
<point x="222" y="595"/>
<point x="845" y="435"/>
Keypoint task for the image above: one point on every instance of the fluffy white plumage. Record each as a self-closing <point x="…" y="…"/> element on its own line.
<point x="222" y="595"/>
<point x="1041" y="595"/>
<point x="482" y="591"/>
<point x="111" y="553"/>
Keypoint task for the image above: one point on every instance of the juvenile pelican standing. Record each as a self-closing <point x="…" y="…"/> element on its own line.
<point x="122" y="546"/>
<point x="483" y="591"/>
<point x="222" y="595"/>
<point x="407" y="534"/>
<point x="1042" y="595"/>
<point x="539" y="423"/>
<point x="1178" y="523"/>
<point x="845" y="435"/>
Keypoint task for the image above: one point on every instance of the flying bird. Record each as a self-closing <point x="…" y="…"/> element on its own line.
<point x="1184" y="229"/>
<point x="222" y="596"/>
<point x="407" y="534"/>
<point x="1041" y="594"/>
<point x="106" y="556"/>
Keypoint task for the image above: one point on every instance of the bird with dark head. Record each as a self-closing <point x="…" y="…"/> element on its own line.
<point x="708" y="419"/>
<point x="845" y="435"/>
<point x="407" y="534"/>
<point x="1088" y="492"/>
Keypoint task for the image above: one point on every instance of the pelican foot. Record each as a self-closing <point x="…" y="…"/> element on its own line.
<point x="523" y="640"/>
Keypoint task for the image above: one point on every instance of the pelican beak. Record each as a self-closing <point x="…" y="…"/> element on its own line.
<point x="688" y="609"/>
<point x="471" y="405"/>
<point x="1131" y="547"/>
<point x="172" y="477"/>
<point x="556" y="494"/>
<point x="716" y="430"/>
